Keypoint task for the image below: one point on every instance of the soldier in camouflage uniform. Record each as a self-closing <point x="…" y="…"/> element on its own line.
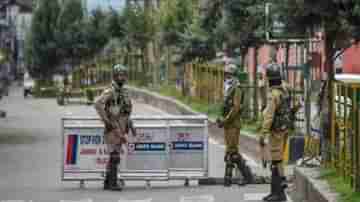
<point x="231" y="121"/>
<point x="114" y="108"/>
<point x="277" y="136"/>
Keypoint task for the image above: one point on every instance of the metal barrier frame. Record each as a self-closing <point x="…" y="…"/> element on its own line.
<point x="148" y="175"/>
<point x="345" y="140"/>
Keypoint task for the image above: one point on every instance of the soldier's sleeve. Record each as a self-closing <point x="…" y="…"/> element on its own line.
<point x="100" y="105"/>
<point x="128" y="104"/>
<point x="236" y="107"/>
<point x="269" y="114"/>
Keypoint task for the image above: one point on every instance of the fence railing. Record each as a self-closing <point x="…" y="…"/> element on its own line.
<point x="205" y="81"/>
<point x="345" y="139"/>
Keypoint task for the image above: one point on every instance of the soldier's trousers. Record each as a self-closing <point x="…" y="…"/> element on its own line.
<point x="232" y="136"/>
<point x="278" y="141"/>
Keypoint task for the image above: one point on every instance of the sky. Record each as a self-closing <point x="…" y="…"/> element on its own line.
<point x="116" y="4"/>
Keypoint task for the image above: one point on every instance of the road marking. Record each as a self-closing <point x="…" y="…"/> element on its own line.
<point x="81" y="200"/>
<point x="260" y="196"/>
<point x="68" y="113"/>
<point x="254" y="197"/>
<point x="144" y="200"/>
<point x="12" y="201"/>
<point x="202" y="198"/>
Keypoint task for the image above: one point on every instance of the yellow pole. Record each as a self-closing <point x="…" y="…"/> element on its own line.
<point x="333" y="127"/>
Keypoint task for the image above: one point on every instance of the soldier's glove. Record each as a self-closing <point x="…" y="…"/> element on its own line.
<point x="220" y="123"/>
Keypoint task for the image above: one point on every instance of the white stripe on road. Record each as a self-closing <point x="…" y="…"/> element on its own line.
<point x="254" y="197"/>
<point x="251" y="162"/>
<point x="202" y="198"/>
<point x="12" y="201"/>
<point x="260" y="196"/>
<point x="81" y="200"/>
<point x="144" y="200"/>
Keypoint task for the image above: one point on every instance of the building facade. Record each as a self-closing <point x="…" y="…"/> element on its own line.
<point x="15" y="20"/>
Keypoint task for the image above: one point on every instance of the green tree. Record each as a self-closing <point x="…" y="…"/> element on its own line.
<point x="114" y="24"/>
<point x="41" y="48"/>
<point x="95" y="32"/>
<point x="69" y="33"/>
<point x="175" y="16"/>
<point x="239" y="24"/>
<point x="137" y="28"/>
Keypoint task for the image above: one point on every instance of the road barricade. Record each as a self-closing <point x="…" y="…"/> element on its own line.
<point x="165" y="148"/>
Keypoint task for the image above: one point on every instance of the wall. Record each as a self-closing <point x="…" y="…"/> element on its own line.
<point x="351" y="60"/>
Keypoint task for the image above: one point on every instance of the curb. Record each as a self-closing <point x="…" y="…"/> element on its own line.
<point x="309" y="188"/>
<point x="220" y="181"/>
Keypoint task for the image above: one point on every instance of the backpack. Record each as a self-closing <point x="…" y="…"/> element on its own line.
<point x="284" y="118"/>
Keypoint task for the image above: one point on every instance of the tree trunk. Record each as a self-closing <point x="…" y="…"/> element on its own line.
<point x="256" y="105"/>
<point x="167" y="79"/>
<point x="149" y="47"/>
<point x="287" y="49"/>
<point x="329" y="52"/>
<point x="243" y="55"/>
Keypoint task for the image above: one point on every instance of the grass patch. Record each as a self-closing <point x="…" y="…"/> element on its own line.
<point x="212" y="110"/>
<point x="338" y="184"/>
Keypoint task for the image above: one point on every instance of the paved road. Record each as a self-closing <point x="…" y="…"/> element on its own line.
<point x="30" y="161"/>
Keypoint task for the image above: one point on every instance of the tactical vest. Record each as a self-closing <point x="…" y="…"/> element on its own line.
<point x="229" y="100"/>
<point x="284" y="118"/>
<point x="118" y="105"/>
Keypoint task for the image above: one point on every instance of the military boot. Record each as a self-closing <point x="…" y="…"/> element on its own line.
<point x="228" y="174"/>
<point x="113" y="179"/>
<point x="266" y="198"/>
<point x="228" y="170"/>
<point x="245" y="170"/>
<point x="107" y="178"/>
<point x="277" y="189"/>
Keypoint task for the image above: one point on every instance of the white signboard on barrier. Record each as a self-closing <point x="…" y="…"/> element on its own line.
<point x="162" y="145"/>
<point x="148" y="150"/>
<point x="187" y="146"/>
<point x="84" y="149"/>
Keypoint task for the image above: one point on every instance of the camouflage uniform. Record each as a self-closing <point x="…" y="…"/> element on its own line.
<point x="114" y="108"/>
<point x="277" y="137"/>
<point x="231" y="121"/>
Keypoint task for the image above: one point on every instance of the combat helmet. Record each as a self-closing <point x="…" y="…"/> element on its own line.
<point x="119" y="68"/>
<point x="273" y="72"/>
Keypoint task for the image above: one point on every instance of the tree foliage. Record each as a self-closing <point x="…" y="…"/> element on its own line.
<point x="175" y="16"/>
<point x="114" y="25"/>
<point x="41" y="49"/>
<point x="62" y="34"/>
<point x="138" y="26"/>
<point x="70" y="35"/>
<point x="96" y="32"/>
<point x="238" y="23"/>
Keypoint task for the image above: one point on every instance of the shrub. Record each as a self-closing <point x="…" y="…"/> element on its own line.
<point x="47" y="92"/>
<point x="90" y="95"/>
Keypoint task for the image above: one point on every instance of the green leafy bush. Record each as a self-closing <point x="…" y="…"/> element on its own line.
<point x="47" y="92"/>
<point x="90" y="95"/>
